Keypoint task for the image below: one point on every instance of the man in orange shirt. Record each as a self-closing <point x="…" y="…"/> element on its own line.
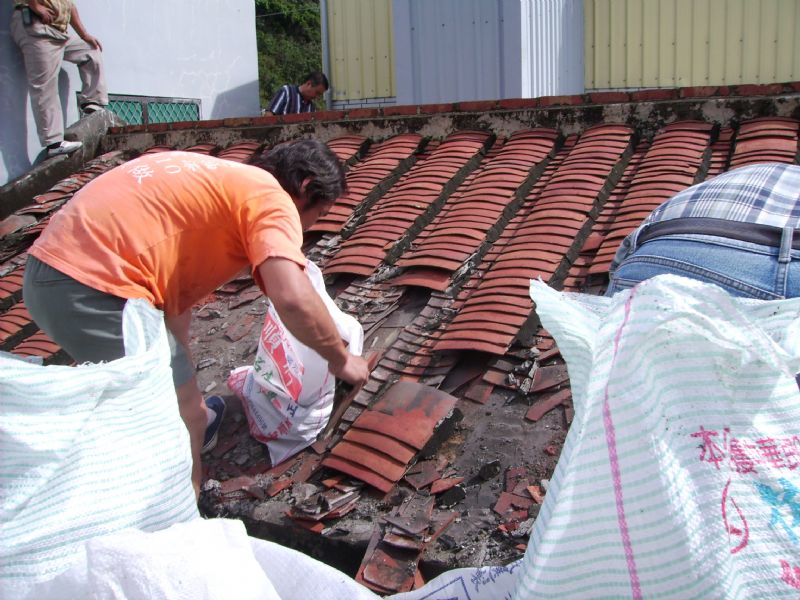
<point x="171" y="228"/>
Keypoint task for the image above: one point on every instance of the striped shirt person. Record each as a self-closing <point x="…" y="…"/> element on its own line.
<point x="293" y="99"/>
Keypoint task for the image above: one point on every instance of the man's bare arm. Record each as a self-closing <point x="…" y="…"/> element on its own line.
<point x="306" y="316"/>
<point x="77" y="25"/>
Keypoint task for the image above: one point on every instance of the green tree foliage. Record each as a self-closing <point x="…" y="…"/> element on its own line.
<point x="288" y="35"/>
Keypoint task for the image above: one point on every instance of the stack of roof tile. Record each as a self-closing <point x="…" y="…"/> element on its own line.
<point x="576" y="280"/>
<point x="15" y="324"/>
<point x="348" y="147"/>
<point x="720" y="153"/>
<point x="363" y="179"/>
<point x="207" y="149"/>
<point x="671" y="164"/>
<point x="466" y="218"/>
<point x="381" y="443"/>
<point x="771" y="139"/>
<point x="536" y="245"/>
<point x="414" y="194"/>
<point x="240" y="152"/>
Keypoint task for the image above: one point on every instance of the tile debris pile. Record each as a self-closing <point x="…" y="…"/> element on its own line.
<point x="432" y="249"/>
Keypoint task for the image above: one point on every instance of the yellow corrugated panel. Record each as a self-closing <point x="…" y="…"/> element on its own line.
<point x="361" y="49"/>
<point x="667" y="43"/>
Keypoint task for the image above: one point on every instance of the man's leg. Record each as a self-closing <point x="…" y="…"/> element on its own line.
<point x="194" y="415"/>
<point x="90" y="67"/>
<point x="42" y="56"/>
<point x="85" y="322"/>
<point x="190" y="404"/>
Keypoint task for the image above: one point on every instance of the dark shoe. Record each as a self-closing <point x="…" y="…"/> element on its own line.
<point x="217" y="405"/>
<point x="63" y="148"/>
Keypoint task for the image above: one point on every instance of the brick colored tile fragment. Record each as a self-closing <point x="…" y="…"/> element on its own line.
<point x="158" y="127"/>
<point x="278" y="486"/>
<point x="770" y="89"/>
<point x="517" y="103"/>
<point x="237" y="122"/>
<point x="545" y="405"/>
<point x="513" y="475"/>
<point x="362" y="113"/>
<point x="436" y="108"/>
<point x="15" y="223"/>
<point x="297" y="118"/>
<point x="313" y="526"/>
<point x="653" y="95"/>
<point x="476" y="105"/>
<point x="547" y="101"/>
<point x="244" y="326"/>
<point x="210" y="124"/>
<point x="408" y="412"/>
<point x="400" y="111"/>
<point x="329" y="115"/>
<point x="536" y="493"/>
<point x="183" y="125"/>
<point x="507" y="503"/>
<point x="442" y="485"/>
<point x="699" y="91"/>
<point x="237" y="483"/>
<point x="609" y="97"/>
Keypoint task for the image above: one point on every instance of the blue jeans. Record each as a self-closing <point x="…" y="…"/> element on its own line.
<point x="741" y="268"/>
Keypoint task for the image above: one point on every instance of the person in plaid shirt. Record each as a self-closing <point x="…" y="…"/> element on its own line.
<point x="738" y="230"/>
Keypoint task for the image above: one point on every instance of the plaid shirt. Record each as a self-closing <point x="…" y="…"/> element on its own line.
<point x="289" y="101"/>
<point x="767" y="194"/>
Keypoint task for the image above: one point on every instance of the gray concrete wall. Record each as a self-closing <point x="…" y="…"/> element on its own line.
<point x="202" y="49"/>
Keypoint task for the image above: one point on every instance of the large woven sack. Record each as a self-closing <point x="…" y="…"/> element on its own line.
<point x="287" y="392"/>
<point x="680" y="475"/>
<point x="89" y="450"/>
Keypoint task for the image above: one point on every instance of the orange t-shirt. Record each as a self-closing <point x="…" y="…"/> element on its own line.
<point x="171" y="228"/>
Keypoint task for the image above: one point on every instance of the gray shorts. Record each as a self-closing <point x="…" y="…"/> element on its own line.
<point x="85" y="322"/>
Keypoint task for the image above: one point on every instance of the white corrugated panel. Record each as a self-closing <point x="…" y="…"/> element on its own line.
<point x="455" y="50"/>
<point x="552" y="47"/>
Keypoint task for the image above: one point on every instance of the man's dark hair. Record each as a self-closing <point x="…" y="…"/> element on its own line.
<point x="294" y="162"/>
<point x="316" y="78"/>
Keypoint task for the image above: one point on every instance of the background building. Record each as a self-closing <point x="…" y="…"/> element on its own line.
<point x="164" y="61"/>
<point x="429" y="51"/>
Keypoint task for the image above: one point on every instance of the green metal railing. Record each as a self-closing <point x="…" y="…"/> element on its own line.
<point x="142" y="110"/>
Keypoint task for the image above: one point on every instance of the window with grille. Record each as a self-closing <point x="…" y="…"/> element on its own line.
<point x="142" y="110"/>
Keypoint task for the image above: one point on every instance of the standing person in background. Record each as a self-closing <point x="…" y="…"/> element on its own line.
<point x="292" y="99"/>
<point x="39" y="28"/>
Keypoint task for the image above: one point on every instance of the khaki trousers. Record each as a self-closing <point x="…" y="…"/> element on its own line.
<point x="43" y="56"/>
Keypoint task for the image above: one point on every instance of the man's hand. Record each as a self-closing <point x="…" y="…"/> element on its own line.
<point x="306" y="316"/>
<point x="354" y="371"/>
<point x="77" y="25"/>
<point x="93" y="42"/>
<point x="45" y="14"/>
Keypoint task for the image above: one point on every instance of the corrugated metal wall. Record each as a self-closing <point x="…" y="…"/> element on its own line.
<point x="453" y="50"/>
<point x="450" y="50"/>
<point x="361" y="49"/>
<point x="668" y="43"/>
<point x="552" y="48"/>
